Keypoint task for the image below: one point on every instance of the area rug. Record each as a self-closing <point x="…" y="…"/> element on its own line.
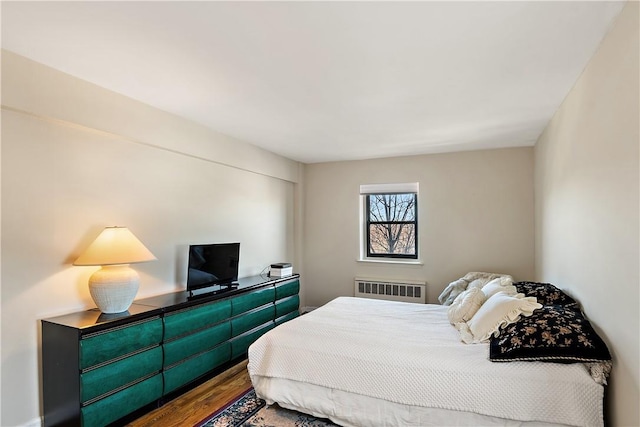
<point x="249" y="411"/>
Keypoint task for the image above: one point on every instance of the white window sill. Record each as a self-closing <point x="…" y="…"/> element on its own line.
<point x="391" y="261"/>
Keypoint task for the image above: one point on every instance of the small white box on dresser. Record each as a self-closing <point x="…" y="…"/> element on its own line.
<point x="281" y="269"/>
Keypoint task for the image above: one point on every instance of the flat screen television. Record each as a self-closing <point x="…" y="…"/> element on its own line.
<point x="212" y="264"/>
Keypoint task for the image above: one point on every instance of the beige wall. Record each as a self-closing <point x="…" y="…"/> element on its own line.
<point x="76" y="158"/>
<point x="586" y="186"/>
<point x="475" y="214"/>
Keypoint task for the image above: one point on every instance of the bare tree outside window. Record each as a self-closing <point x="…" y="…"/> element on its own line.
<point x="392" y="225"/>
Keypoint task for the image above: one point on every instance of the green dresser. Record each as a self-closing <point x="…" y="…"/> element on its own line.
<point x="97" y="368"/>
<point x="101" y="369"/>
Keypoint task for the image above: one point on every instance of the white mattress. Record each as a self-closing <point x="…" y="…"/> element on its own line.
<point x="351" y="357"/>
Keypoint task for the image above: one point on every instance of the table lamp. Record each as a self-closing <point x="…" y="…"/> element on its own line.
<point x="115" y="285"/>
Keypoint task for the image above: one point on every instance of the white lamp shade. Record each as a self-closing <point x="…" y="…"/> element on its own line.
<point x="114" y="287"/>
<point x="115" y="245"/>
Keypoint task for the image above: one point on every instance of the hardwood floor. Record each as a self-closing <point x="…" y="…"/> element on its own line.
<point x="195" y="405"/>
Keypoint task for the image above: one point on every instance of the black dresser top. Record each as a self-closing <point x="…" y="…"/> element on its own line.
<point x="95" y="320"/>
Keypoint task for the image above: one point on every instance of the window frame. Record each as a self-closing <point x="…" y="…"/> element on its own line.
<point x="367" y="224"/>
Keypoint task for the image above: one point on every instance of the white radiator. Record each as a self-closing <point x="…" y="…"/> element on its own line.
<point x="403" y="290"/>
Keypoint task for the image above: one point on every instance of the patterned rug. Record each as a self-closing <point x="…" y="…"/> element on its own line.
<point x="249" y="411"/>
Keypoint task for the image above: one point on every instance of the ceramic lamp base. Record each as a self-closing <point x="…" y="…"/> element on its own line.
<point x="114" y="287"/>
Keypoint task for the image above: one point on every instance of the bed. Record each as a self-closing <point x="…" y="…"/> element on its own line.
<point x="365" y="362"/>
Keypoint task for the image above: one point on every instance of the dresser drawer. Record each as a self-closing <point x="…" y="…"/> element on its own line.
<point x="287" y="317"/>
<point x="184" y="322"/>
<point x="287" y="289"/>
<point x="251" y="300"/>
<point x="194" y="367"/>
<point x="252" y="319"/>
<point x="111" y="408"/>
<point x="287" y="305"/>
<point x="240" y="344"/>
<point x="98" y="381"/>
<point x="105" y="346"/>
<point x="182" y="348"/>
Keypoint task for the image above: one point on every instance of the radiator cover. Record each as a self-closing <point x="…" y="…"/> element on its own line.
<point x="392" y="290"/>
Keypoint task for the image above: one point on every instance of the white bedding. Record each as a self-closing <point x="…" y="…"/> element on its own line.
<point x="409" y="357"/>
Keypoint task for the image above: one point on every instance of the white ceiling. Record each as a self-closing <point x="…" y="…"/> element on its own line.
<point x="325" y="81"/>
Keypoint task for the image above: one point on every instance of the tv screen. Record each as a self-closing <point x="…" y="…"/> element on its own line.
<point x="212" y="264"/>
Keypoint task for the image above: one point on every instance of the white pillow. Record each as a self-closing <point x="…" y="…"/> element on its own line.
<point x="500" y="284"/>
<point x="465" y="305"/>
<point x="497" y="312"/>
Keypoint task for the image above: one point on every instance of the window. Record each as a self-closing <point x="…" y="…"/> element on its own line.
<point x="390" y="220"/>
